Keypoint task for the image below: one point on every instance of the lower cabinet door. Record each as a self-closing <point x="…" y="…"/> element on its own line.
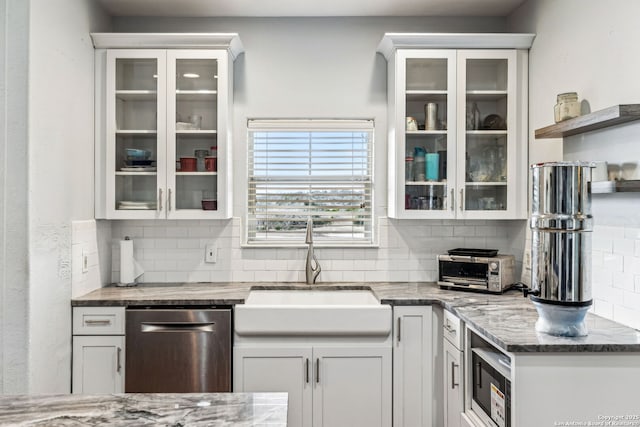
<point x="352" y="387"/>
<point x="413" y="367"/>
<point x="98" y="364"/>
<point x="453" y="394"/>
<point x="278" y="370"/>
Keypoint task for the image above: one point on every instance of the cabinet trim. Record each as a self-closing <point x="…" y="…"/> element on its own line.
<point x="229" y="41"/>
<point x="392" y="41"/>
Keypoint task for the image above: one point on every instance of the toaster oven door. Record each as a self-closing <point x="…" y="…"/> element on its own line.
<point x="464" y="272"/>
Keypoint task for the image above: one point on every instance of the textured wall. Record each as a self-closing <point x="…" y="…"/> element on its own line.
<point x="61" y="88"/>
<point x="14" y="44"/>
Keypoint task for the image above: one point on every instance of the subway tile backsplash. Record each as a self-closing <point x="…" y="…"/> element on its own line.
<point x="616" y="273"/>
<point x="173" y="251"/>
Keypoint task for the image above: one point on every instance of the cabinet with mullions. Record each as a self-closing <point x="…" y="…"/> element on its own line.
<point x="458" y="126"/>
<point x="164" y="119"/>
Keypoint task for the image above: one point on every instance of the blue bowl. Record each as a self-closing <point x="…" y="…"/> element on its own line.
<point x="137" y="154"/>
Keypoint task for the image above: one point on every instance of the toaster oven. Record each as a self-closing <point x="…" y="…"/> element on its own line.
<point x="492" y="274"/>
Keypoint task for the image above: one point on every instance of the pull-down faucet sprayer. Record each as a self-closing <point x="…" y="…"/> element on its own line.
<point x="311" y="271"/>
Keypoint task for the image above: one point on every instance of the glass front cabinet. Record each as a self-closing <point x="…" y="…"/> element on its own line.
<point x="163" y="133"/>
<point x="457" y="133"/>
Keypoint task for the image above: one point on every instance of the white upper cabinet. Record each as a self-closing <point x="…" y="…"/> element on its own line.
<point x="163" y="126"/>
<point x="457" y="125"/>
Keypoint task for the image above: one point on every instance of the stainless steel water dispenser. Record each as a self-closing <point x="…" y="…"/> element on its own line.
<point x="561" y="224"/>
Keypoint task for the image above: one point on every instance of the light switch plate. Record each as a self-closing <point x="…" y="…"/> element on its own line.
<point x="85" y="261"/>
<point x="211" y="253"/>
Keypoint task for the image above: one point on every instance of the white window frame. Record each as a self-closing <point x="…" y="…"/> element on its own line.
<point x="314" y="125"/>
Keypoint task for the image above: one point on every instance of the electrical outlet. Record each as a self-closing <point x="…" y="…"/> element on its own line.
<point x="85" y="262"/>
<point x="211" y="253"/>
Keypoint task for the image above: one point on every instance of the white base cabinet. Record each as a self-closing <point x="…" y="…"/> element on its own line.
<point x="453" y="395"/>
<point x="413" y="367"/>
<point x="98" y="364"/>
<point x="328" y="386"/>
<point x="98" y="350"/>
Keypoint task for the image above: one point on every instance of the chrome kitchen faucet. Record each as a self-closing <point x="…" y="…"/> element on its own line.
<point x="311" y="271"/>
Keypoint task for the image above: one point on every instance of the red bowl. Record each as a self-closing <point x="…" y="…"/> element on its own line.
<point x="209" y="205"/>
<point x="188" y="164"/>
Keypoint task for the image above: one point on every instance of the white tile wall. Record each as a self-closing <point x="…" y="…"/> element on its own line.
<point x="173" y="251"/>
<point x="85" y="238"/>
<point x="616" y="273"/>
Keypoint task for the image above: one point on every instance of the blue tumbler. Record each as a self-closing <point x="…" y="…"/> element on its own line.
<point x="432" y="161"/>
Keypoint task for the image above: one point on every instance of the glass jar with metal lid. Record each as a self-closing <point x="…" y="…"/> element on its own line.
<point x="567" y="107"/>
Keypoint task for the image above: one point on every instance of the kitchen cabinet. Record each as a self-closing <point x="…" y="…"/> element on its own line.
<point x="457" y="129"/>
<point x="452" y="370"/>
<point x="328" y="385"/>
<point x="538" y="380"/>
<point x="413" y="367"/>
<point x="163" y="134"/>
<point x="98" y="350"/>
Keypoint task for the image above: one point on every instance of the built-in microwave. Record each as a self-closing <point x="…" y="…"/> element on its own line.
<point x="491" y="386"/>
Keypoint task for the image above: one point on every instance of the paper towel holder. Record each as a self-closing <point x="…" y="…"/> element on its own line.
<point x="130" y="269"/>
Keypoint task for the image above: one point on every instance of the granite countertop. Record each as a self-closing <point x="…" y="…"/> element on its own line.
<point x="507" y="320"/>
<point x="193" y="409"/>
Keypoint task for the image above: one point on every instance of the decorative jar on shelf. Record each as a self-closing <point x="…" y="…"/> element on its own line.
<point x="567" y="107"/>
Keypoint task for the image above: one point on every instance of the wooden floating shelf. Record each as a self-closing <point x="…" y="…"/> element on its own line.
<point x="608" y="187"/>
<point x="611" y="116"/>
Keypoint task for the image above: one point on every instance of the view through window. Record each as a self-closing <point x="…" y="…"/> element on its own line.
<point x="318" y="169"/>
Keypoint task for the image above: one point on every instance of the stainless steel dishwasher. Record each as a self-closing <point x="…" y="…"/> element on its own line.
<point x="178" y="350"/>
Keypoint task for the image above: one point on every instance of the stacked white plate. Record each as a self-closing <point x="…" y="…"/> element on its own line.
<point x="130" y="205"/>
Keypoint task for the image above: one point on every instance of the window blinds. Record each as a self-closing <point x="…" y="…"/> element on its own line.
<point x="310" y="168"/>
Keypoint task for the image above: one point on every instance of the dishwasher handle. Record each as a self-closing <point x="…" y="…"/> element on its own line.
<point x="177" y="327"/>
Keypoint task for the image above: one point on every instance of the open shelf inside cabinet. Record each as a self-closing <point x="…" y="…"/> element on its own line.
<point x="601" y="119"/>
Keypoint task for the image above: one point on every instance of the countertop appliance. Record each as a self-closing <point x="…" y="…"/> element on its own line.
<point x="178" y="350"/>
<point x="561" y="225"/>
<point x="479" y="270"/>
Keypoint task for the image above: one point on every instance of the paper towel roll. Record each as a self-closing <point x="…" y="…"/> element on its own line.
<point x="130" y="270"/>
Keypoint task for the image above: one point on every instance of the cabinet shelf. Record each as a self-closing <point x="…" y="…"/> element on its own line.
<point x="601" y="119"/>
<point x="426" y="132"/>
<point x="427" y="183"/>
<point x="485" y="184"/>
<point x="197" y="173"/>
<point x="196" y="95"/>
<point x="486" y="95"/>
<point x="136" y="95"/>
<point x="196" y="132"/>
<point x="137" y="132"/>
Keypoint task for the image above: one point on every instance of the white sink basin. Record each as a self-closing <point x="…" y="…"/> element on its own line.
<point x="312" y="312"/>
<point x="312" y="297"/>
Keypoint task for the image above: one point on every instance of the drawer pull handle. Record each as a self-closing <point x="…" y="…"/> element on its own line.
<point x="399" y="328"/>
<point x="307" y="369"/>
<point x="454" y="384"/>
<point x="318" y="370"/>
<point x="97" y="322"/>
<point x="178" y="327"/>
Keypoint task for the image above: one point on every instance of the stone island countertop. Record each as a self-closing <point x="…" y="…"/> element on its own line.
<point x="507" y="320"/>
<point x="166" y="409"/>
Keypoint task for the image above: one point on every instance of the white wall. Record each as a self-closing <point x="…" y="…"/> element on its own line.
<point x="60" y="115"/>
<point x="14" y="40"/>
<point x="307" y="67"/>
<point x="591" y="47"/>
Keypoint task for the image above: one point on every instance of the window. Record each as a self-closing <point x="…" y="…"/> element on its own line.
<point x="318" y="169"/>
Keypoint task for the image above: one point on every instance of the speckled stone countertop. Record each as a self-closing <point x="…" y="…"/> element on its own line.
<point x="507" y="320"/>
<point x="192" y="409"/>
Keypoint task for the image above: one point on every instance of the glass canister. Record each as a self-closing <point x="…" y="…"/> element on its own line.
<point x="567" y="107"/>
<point x="408" y="166"/>
<point x="419" y="168"/>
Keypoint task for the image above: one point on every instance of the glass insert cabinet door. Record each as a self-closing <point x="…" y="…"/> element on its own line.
<point x="193" y="115"/>
<point x="486" y="131"/>
<point x="135" y="147"/>
<point x="428" y="112"/>
<point x="163" y="118"/>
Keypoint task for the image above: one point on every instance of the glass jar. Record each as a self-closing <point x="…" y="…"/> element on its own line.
<point x="567" y="107"/>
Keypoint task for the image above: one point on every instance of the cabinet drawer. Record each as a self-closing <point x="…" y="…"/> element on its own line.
<point x="98" y="321"/>
<point x="452" y="329"/>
